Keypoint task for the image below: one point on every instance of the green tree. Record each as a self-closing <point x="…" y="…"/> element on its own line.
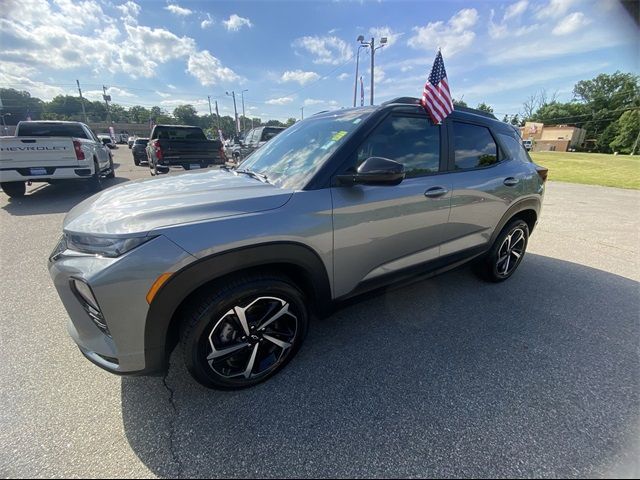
<point x="186" y="114"/>
<point x="484" y="107"/>
<point x="627" y="129"/>
<point x="459" y="103"/>
<point x="290" y="121"/>
<point x="20" y="104"/>
<point x="138" y="114"/>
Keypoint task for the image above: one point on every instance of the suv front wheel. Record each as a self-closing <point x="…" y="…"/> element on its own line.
<point x="244" y="331"/>
<point x="507" y="252"/>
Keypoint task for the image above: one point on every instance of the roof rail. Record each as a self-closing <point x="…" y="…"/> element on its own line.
<point x="416" y="101"/>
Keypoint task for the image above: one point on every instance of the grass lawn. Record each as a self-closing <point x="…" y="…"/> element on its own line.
<point x="591" y="168"/>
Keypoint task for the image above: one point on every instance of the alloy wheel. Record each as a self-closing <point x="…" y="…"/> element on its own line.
<point x="252" y="340"/>
<point x="510" y="252"/>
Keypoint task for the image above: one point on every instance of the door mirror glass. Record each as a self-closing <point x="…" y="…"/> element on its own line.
<point x="375" y="171"/>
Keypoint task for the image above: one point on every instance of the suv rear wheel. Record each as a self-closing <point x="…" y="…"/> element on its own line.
<point x="507" y="252"/>
<point x="244" y="331"/>
<point x="14" y="189"/>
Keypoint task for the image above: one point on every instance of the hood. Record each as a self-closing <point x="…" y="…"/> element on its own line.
<point x="142" y="205"/>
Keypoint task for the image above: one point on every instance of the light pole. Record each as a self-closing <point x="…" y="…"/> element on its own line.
<point x="244" y="128"/>
<point x="355" y="83"/>
<point x="4" y="124"/>
<point x="235" y="109"/>
<point x="372" y="46"/>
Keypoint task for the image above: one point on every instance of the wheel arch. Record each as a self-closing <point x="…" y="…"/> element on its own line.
<point x="297" y="261"/>
<point x="527" y="209"/>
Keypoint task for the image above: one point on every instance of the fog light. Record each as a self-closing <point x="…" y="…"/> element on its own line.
<point x="85" y="292"/>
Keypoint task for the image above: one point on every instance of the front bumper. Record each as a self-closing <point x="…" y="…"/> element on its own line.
<point x="120" y="286"/>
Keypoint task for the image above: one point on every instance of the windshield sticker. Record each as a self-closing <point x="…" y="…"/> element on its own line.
<point x="338" y="135"/>
<point x="327" y="145"/>
<point x="357" y="121"/>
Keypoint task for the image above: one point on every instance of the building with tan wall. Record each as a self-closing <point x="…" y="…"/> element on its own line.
<point x="558" y="138"/>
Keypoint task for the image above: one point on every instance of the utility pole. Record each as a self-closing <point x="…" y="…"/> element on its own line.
<point x="244" y="128"/>
<point x="372" y="46"/>
<point x="210" y="112"/>
<point x="235" y="109"/>
<point x="373" y="53"/>
<point x="84" y="113"/>
<point x="302" y="112"/>
<point x="355" y="84"/>
<point x="106" y="98"/>
<point x="218" y="117"/>
<point x="635" y="145"/>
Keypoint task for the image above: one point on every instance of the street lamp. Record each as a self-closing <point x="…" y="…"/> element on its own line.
<point x="4" y="124"/>
<point x="355" y="84"/>
<point x="372" y="46"/>
<point x="244" y="128"/>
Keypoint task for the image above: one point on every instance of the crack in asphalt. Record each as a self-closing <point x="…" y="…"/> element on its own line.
<point x="172" y="427"/>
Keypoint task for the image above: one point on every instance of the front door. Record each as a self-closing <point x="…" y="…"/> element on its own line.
<point x="381" y="230"/>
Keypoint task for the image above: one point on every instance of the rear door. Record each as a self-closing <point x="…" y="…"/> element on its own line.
<point x="485" y="183"/>
<point x="381" y="230"/>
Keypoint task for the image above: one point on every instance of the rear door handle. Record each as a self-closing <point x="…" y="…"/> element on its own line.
<point x="435" y="192"/>
<point x="510" y="181"/>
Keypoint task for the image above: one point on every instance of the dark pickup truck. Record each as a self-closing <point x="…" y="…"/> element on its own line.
<point x="182" y="146"/>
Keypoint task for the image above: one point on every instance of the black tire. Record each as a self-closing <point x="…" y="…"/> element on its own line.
<point x="136" y="162"/>
<point x="95" y="182"/>
<point x="112" y="170"/>
<point x="14" y="189"/>
<point x="212" y="320"/>
<point x="505" y="257"/>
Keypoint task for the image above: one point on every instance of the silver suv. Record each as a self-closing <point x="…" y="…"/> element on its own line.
<point x="232" y="263"/>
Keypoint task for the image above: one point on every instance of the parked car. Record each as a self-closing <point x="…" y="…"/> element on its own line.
<point x="528" y="144"/>
<point x="253" y="140"/>
<point x="139" y="150"/>
<point x="183" y="146"/>
<point x="231" y="263"/>
<point x="48" y="151"/>
<point x="107" y="141"/>
<point x="130" y="141"/>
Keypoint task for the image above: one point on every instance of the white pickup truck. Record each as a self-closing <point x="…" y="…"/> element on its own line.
<point x="52" y="151"/>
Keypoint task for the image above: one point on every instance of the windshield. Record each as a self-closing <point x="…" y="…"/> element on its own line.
<point x="291" y="158"/>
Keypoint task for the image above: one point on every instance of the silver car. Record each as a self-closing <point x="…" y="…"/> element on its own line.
<point x="233" y="263"/>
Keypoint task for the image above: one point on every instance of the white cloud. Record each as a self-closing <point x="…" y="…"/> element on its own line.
<point x="207" y="22"/>
<point x="454" y="36"/>
<point x="208" y="69"/>
<point x="172" y="87"/>
<point x="115" y="92"/>
<point x="279" y="101"/>
<point x="571" y="23"/>
<point x="378" y="74"/>
<point x="299" y="76"/>
<point x="130" y="11"/>
<point x="515" y="9"/>
<point x="200" y="104"/>
<point x="236" y="22"/>
<point x="178" y="10"/>
<point x="162" y="94"/>
<point x="343" y="76"/>
<point x="554" y="9"/>
<point x="379" y="32"/>
<point x="309" y="102"/>
<point x="326" y="50"/>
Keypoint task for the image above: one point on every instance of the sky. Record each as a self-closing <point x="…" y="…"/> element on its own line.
<point x="290" y="55"/>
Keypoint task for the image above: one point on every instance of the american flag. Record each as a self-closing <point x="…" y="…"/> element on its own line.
<point x="436" y="97"/>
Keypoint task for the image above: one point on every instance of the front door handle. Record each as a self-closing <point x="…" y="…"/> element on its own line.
<point x="435" y="192"/>
<point x="510" y="181"/>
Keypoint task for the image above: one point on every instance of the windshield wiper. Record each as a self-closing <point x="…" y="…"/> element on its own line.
<point x="258" y="176"/>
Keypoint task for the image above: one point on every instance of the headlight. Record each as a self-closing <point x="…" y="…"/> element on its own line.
<point x="103" y="246"/>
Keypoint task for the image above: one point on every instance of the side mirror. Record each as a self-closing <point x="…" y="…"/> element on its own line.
<point x="375" y="171"/>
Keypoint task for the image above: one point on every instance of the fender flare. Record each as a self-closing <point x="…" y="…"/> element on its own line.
<point x="530" y="203"/>
<point x="159" y="318"/>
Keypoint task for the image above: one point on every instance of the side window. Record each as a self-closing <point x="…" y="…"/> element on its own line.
<point x="410" y="140"/>
<point x="257" y="133"/>
<point x="474" y="146"/>
<point x="515" y="148"/>
<point x="249" y="137"/>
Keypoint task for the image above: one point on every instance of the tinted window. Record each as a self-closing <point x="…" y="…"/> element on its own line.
<point x="178" y="133"/>
<point x="515" y="148"/>
<point x="141" y="141"/>
<point x="474" y="146"/>
<point x="51" y="130"/>
<point x="412" y="141"/>
<point x="269" y="132"/>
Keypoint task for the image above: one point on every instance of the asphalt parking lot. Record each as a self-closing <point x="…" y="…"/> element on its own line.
<point x="450" y="377"/>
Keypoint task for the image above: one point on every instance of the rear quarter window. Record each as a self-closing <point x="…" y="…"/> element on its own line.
<point x="514" y="147"/>
<point x="474" y="146"/>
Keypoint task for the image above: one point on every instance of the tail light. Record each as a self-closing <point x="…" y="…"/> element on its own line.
<point x="77" y="146"/>
<point x="542" y="173"/>
<point x="157" y="149"/>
